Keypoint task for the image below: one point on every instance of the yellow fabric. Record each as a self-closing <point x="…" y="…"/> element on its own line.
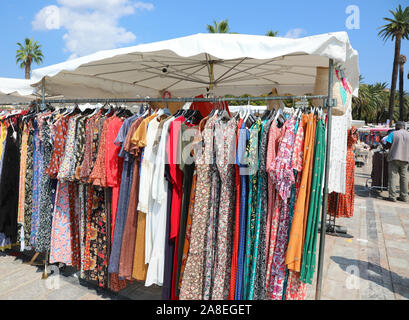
<point x="3" y="135"/>
<point x="23" y="167"/>
<point x="139" y="137"/>
<point x="140" y="269"/>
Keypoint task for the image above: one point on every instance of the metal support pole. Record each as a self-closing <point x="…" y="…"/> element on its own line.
<point x="325" y="198"/>
<point x="45" y="272"/>
<point x="214" y="100"/>
<point x="43" y="93"/>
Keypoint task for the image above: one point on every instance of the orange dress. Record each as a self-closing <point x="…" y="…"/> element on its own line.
<point x="342" y="205"/>
<point x="296" y="240"/>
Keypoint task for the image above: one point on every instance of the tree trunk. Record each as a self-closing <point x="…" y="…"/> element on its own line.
<point x="401" y="108"/>
<point x="394" y="77"/>
<point x="28" y="68"/>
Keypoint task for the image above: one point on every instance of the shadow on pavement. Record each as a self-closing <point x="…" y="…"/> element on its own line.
<point x="401" y="288"/>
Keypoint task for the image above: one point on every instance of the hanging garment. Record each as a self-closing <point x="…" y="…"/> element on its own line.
<point x="161" y="256"/>
<point x="127" y="173"/>
<point x="192" y="283"/>
<point x="236" y="231"/>
<point x="251" y="235"/>
<point x="311" y="234"/>
<point x="242" y="161"/>
<point x="211" y="227"/>
<point x="23" y="172"/>
<point x="37" y="174"/>
<point x="59" y="147"/>
<point x="48" y="187"/>
<point x="177" y="181"/>
<point x="134" y="232"/>
<point x="274" y="138"/>
<point x="169" y="245"/>
<point x="188" y="230"/>
<point x="295" y="245"/>
<point x="61" y="247"/>
<point x="28" y="189"/>
<point x="338" y="154"/>
<point x="261" y="264"/>
<point x="342" y="205"/>
<point x="9" y="183"/>
<point x="225" y="151"/>
<point x="145" y="203"/>
<point x="187" y="166"/>
<point x="113" y="167"/>
<point x="297" y="165"/>
<point x="283" y="176"/>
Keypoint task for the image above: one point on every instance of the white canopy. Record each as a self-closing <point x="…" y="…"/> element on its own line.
<point x="16" y="87"/>
<point x="241" y="64"/>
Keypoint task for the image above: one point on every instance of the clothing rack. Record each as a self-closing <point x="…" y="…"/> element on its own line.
<point x="334" y="229"/>
<point x="328" y="103"/>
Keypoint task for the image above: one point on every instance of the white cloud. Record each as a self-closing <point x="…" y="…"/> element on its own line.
<point x="295" y="33"/>
<point x="90" y="25"/>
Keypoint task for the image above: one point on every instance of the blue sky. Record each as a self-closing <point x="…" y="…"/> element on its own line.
<point x="86" y="26"/>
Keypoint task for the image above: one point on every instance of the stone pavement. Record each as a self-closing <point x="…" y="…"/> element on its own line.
<point x="371" y="265"/>
<point x="374" y="263"/>
<point x="20" y="281"/>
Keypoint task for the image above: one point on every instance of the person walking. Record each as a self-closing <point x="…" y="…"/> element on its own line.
<point x="398" y="159"/>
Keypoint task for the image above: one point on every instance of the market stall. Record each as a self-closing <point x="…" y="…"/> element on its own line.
<point x="215" y="65"/>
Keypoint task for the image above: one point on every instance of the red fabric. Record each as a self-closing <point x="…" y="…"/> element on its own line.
<point x="176" y="176"/>
<point x="206" y="107"/>
<point x="233" y="272"/>
<point x="59" y="147"/>
<point x="113" y="167"/>
<point x="342" y="205"/>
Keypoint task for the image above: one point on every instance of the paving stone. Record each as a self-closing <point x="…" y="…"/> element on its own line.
<point x="90" y="296"/>
<point x="30" y="291"/>
<point x="393" y="230"/>
<point x="67" y="292"/>
<point x="16" y="279"/>
<point x="399" y="262"/>
<point x="337" y="290"/>
<point x="401" y="245"/>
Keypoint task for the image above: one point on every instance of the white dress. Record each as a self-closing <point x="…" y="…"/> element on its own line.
<point x="338" y="155"/>
<point x="145" y="183"/>
<point x="157" y="231"/>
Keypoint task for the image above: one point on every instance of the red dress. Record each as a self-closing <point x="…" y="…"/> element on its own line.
<point x="342" y="205"/>
<point x="177" y="181"/>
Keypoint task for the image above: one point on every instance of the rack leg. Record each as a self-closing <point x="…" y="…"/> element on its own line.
<point x="33" y="259"/>
<point x="45" y="273"/>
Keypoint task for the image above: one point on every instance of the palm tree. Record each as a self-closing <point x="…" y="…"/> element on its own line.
<point x="271" y="33"/>
<point x="397" y="29"/>
<point x="371" y="101"/>
<point x="402" y="61"/>
<point x="219" y="27"/>
<point x="31" y="51"/>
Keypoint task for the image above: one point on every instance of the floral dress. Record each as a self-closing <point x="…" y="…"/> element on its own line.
<point x="192" y="283"/>
<point x="284" y="178"/>
<point x="261" y="265"/>
<point x="28" y="195"/>
<point x="211" y="229"/>
<point x="225" y="152"/>
<point x="46" y="197"/>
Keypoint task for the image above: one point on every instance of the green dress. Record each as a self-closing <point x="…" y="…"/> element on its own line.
<point x="251" y="233"/>
<point x="311" y="232"/>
